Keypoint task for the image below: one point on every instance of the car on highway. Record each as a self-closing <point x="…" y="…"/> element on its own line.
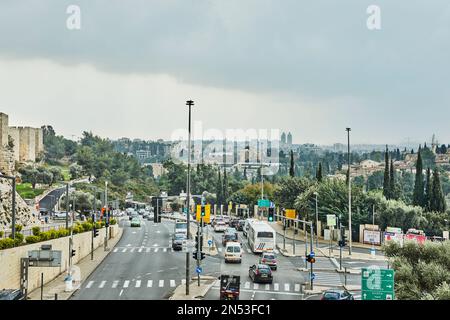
<point x="141" y="211"/>
<point x="246" y="226"/>
<point x="11" y="294"/>
<point x="229" y="236"/>
<point x="270" y="259"/>
<point x="240" y="225"/>
<point x="135" y="222"/>
<point x="220" y="226"/>
<point x="180" y="226"/>
<point x="233" y="252"/>
<point x="177" y="241"/>
<point x="335" y="294"/>
<point x="260" y="273"/>
<point x="60" y="215"/>
<point x="133" y="215"/>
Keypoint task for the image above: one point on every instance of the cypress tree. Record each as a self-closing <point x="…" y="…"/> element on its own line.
<point x="291" y="169"/>
<point x="398" y="157"/>
<point x="225" y="186"/>
<point x="437" y="200"/>
<point x="319" y="173"/>
<point x="392" y="188"/>
<point x="245" y="174"/>
<point x="386" y="185"/>
<point x="219" y="190"/>
<point x="418" y="195"/>
<point x="428" y="188"/>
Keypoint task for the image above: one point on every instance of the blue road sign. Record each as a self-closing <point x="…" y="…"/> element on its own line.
<point x="312" y="254"/>
<point x="210" y="242"/>
<point x="313" y="276"/>
<point x="199" y="269"/>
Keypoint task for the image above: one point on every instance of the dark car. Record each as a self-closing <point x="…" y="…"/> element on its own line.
<point x="337" y="295"/>
<point x="260" y="273"/>
<point x="177" y="241"/>
<point x="229" y="236"/>
<point x="11" y="294"/>
<point x="240" y="225"/>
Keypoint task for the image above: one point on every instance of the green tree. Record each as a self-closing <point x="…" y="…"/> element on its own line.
<point x="287" y="191"/>
<point x="219" y="190"/>
<point x="225" y="186"/>
<point x="292" y="166"/>
<point x="418" y="196"/>
<point x="386" y="183"/>
<point x="319" y="173"/>
<point x="437" y="200"/>
<point x="393" y="189"/>
<point x="428" y="189"/>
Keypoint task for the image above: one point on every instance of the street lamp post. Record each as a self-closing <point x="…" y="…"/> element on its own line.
<point x="349" y="195"/>
<point x="317" y="221"/>
<point x="106" y="213"/>
<point x="189" y="103"/>
<point x="13" y="209"/>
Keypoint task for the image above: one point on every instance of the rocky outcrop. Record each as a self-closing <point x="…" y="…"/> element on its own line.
<point x="24" y="216"/>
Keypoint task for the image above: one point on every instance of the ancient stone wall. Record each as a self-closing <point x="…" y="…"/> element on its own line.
<point x="3" y="129"/>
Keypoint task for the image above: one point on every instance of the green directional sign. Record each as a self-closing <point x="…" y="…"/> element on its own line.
<point x="263" y="203"/>
<point x="377" y="284"/>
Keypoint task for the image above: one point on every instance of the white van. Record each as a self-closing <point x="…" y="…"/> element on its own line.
<point x="233" y="252"/>
<point x="246" y="226"/>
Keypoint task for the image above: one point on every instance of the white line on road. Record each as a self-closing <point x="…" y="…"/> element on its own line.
<point x="121" y="291"/>
<point x="102" y="284"/>
<point x="155" y="245"/>
<point x="161" y="283"/>
<point x="267" y="286"/>
<point x="247" y="285"/>
<point x="276" y="286"/>
<point x="297" y="287"/>
<point x="183" y="282"/>
<point x="149" y="283"/>
<point x="129" y="245"/>
<point x="140" y="250"/>
<point x="286" y="287"/>
<point x="156" y="249"/>
<point x="124" y="250"/>
<point x="115" y="283"/>
<point x="160" y="270"/>
<point x="89" y="284"/>
<point x="172" y="283"/>
<point x="138" y="284"/>
<point x="248" y="250"/>
<point x="126" y="283"/>
<point x="148" y="250"/>
<point x="255" y="286"/>
<point x="115" y="249"/>
<point x="132" y="249"/>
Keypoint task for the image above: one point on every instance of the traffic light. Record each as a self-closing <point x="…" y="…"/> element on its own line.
<point x="73" y="252"/>
<point x="95" y="232"/>
<point x="310" y="258"/>
<point x="197" y="242"/>
<point x="271" y="214"/>
<point x="202" y="213"/>
<point x="343" y="241"/>
<point x="195" y="255"/>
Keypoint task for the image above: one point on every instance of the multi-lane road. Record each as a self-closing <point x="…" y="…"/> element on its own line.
<point x="143" y="265"/>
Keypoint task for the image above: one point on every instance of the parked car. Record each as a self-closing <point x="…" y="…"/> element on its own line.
<point x="270" y="259"/>
<point x="233" y="252"/>
<point x="220" y="226"/>
<point x="177" y="241"/>
<point x="337" y="295"/>
<point x="260" y="273"/>
<point x="135" y="222"/>
<point x="60" y="215"/>
<point x="11" y="294"/>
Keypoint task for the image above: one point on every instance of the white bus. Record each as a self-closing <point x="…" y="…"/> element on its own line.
<point x="261" y="236"/>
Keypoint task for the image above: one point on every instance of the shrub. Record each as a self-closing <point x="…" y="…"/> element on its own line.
<point x="1" y="234"/>
<point x="6" y="243"/>
<point x="19" y="227"/>
<point x="103" y="223"/>
<point x="19" y="239"/>
<point x="52" y="234"/>
<point x="77" y="229"/>
<point x="32" y="239"/>
<point x="113" y="221"/>
<point x="36" y="231"/>
<point x="44" y="236"/>
<point x="87" y="226"/>
<point x="98" y="225"/>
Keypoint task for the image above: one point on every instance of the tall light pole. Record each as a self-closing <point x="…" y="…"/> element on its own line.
<point x="317" y="221"/>
<point x="189" y="103"/>
<point x="349" y="195"/>
<point x="106" y="218"/>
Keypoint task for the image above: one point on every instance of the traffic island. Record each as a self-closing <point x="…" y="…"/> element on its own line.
<point x="288" y="251"/>
<point x="195" y="292"/>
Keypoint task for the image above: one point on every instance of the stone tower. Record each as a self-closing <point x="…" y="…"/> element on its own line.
<point x="283" y="138"/>
<point x="289" y="139"/>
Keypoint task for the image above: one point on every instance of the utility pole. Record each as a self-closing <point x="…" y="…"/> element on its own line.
<point x="311" y="244"/>
<point x="189" y="103"/>
<point x="317" y="222"/>
<point x="93" y="222"/>
<point x="349" y="195"/>
<point x="106" y="216"/>
<point x="67" y="206"/>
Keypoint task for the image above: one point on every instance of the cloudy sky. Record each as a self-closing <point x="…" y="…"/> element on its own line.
<point x="310" y="67"/>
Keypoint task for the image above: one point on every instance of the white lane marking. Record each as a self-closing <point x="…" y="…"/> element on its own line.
<point x="121" y="291"/>
<point x="115" y="249"/>
<point x="89" y="284"/>
<point x="172" y="283"/>
<point x="255" y="286"/>
<point x="126" y="283"/>
<point x="156" y="249"/>
<point x="220" y="249"/>
<point x="276" y="286"/>
<point x="155" y="245"/>
<point x="134" y="232"/>
<point x="102" y="284"/>
<point x="132" y="249"/>
<point x="115" y="283"/>
<point x="160" y="270"/>
<point x="183" y="282"/>
<point x="158" y="231"/>
<point x="161" y="283"/>
<point x="124" y="250"/>
<point x="267" y="286"/>
<point x="247" y="285"/>
<point x="148" y="250"/>
<point x="171" y="250"/>
<point x="297" y="287"/>
<point x="149" y="283"/>
<point x="276" y="251"/>
<point x="129" y="245"/>
<point x="248" y="250"/>
<point x="138" y="284"/>
<point x="286" y="287"/>
<point x="140" y="250"/>
<point x="165" y="249"/>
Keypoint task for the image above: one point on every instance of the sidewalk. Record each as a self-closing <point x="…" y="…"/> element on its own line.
<point x="86" y="267"/>
<point x="195" y="292"/>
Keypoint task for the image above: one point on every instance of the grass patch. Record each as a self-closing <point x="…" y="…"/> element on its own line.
<point x="26" y="191"/>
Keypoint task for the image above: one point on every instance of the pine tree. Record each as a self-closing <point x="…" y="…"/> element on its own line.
<point x="386" y="185"/>
<point x="291" y="169"/>
<point x="319" y="173"/>
<point x="437" y="200"/>
<point x="418" y="195"/>
<point x="428" y="188"/>
<point x="225" y="186"/>
<point x="219" y="190"/>
<point x="392" y="186"/>
<point x="245" y="174"/>
<point x="398" y="156"/>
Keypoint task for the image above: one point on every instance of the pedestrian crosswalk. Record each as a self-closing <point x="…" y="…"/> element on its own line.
<point x="328" y="278"/>
<point x="285" y="287"/>
<point x="153" y="249"/>
<point x="123" y="284"/>
<point x="248" y="250"/>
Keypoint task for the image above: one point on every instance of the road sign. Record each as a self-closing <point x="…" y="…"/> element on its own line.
<point x="312" y="254"/>
<point x="264" y="203"/>
<point x="199" y="270"/>
<point x="377" y="284"/>
<point x="210" y="242"/>
<point x="313" y="276"/>
<point x="331" y="220"/>
<point x="290" y="213"/>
